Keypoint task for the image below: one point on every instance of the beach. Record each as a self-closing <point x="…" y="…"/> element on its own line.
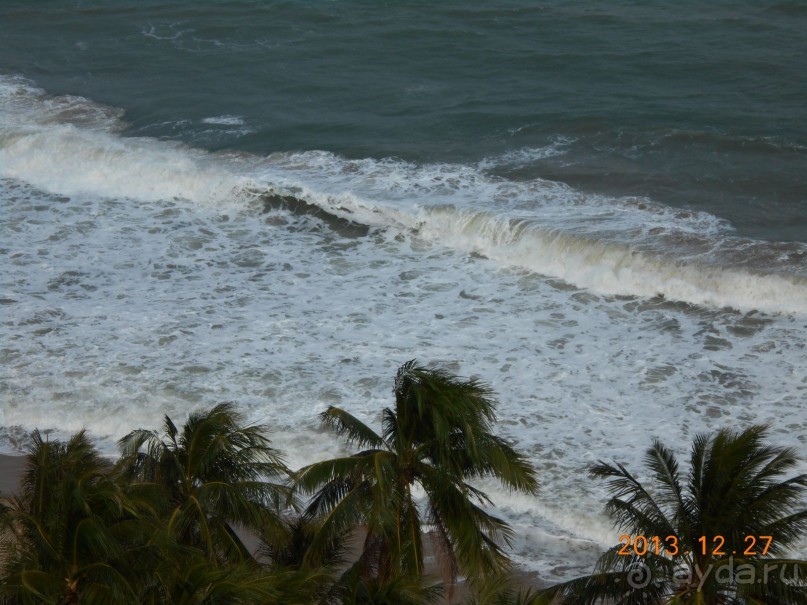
<point x="11" y="468"/>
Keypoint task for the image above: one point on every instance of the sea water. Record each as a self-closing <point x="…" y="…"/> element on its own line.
<point x="597" y="209"/>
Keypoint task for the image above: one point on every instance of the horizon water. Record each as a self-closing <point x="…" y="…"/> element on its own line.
<point x="599" y="210"/>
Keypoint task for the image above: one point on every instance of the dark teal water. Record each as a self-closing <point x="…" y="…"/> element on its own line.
<point x="694" y="105"/>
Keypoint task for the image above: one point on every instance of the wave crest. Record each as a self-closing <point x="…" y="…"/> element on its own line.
<point x="614" y="246"/>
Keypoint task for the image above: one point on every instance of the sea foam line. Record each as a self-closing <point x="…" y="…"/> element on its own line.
<point x="69" y="159"/>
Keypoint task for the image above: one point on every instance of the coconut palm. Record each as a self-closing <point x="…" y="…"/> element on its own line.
<point x="185" y="576"/>
<point x="707" y="538"/>
<point x="216" y="475"/>
<point x="508" y="596"/>
<point x="436" y="439"/>
<point x="305" y="550"/>
<point x="354" y="589"/>
<point x="72" y="533"/>
<point x="507" y="589"/>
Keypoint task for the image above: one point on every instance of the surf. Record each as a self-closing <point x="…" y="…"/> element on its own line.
<point x="610" y="246"/>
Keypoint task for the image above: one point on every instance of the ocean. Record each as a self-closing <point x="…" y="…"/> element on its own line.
<point x="600" y="209"/>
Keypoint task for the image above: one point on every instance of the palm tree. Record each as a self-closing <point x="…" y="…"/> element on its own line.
<point x="216" y="476"/>
<point x="437" y="438"/>
<point x="507" y="595"/>
<point x="354" y="589"/>
<point x="707" y="538"/>
<point x="72" y="532"/>
<point x="185" y="576"/>
<point x="507" y="589"/>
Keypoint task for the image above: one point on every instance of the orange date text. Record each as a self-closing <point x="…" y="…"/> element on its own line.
<point x="713" y="546"/>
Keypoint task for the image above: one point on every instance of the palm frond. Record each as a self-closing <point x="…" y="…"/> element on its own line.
<point x="357" y="589"/>
<point x="619" y="588"/>
<point x="494" y="457"/>
<point x="355" y="468"/>
<point x="786" y="530"/>
<point x="631" y="505"/>
<point x="665" y="471"/>
<point x="347" y="425"/>
<point x="389" y="427"/>
<point x="772" y="581"/>
<point x="339" y="520"/>
<point x="431" y="404"/>
<point x="734" y="490"/>
<point x="296" y="552"/>
<point x="475" y="535"/>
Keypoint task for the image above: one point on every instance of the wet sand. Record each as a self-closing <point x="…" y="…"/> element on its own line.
<point x="11" y="468"/>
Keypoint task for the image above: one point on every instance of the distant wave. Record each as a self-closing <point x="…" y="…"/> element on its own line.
<point x="613" y="246"/>
<point x="731" y="143"/>
<point x="614" y="268"/>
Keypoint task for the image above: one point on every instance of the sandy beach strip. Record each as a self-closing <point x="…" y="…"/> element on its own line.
<point x="11" y="468"/>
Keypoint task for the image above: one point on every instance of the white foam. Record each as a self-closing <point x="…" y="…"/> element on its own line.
<point x="226" y="120"/>
<point x="171" y="32"/>
<point x="24" y="105"/>
<point x="69" y="160"/>
<point x="526" y="155"/>
<point x="70" y="145"/>
<point x="606" y="245"/>
<point x="125" y="311"/>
